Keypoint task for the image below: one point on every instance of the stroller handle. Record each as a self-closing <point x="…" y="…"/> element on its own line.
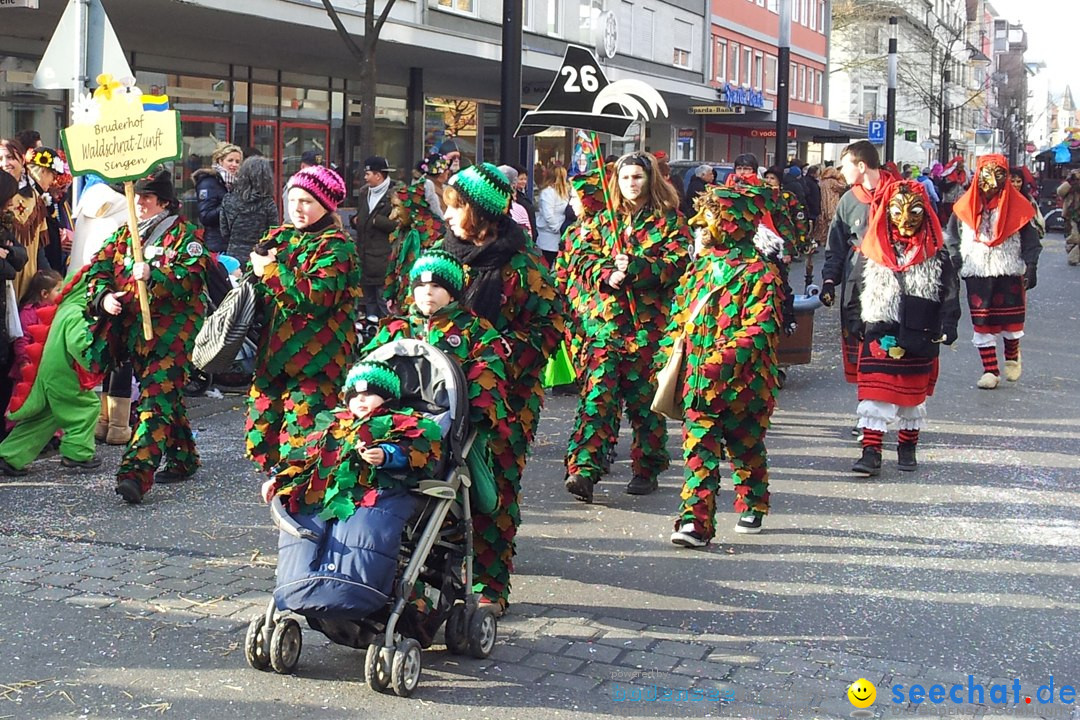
<point x="285" y="523"/>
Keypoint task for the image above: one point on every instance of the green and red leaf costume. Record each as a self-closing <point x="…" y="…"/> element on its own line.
<point x="622" y="328"/>
<point x="309" y="335"/>
<point x="730" y="385"/>
<point x="178" y="304"/>
<point x="326" y="476"/>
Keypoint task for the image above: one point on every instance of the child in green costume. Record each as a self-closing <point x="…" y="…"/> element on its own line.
<point x="57" y="391"/>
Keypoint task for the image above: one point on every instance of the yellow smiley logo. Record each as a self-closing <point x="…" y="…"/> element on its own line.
<point x="862" y="693"/>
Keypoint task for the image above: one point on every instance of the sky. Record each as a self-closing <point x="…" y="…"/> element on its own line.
<point x="1052" y="36"/>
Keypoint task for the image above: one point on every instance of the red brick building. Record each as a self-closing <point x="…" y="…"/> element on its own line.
<point x="745" y="34"/>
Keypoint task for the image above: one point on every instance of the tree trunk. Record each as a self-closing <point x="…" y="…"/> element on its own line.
<point x="365" y="58"/>
<point x="368" y="78"/>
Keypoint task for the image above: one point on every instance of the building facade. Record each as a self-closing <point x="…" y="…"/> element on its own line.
<point x="744" y="68"/>
<point x="274" y="75"/>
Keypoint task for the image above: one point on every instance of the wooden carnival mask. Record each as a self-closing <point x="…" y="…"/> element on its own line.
<point x="907" y="212"/>
<point x="991" y="180"/>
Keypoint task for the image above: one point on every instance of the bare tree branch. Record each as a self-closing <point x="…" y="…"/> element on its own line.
<point x="382" y="16"/>
<point x="356" y="50"/>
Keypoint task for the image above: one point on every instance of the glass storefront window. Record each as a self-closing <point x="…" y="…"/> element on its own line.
<point x="391" y="139"/>
<point x="450" y="123"/>
<point x="241" y="131"/>
<point x="24" y="107"/>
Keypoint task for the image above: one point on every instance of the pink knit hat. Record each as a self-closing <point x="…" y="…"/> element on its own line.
<point x="322" y="183"/>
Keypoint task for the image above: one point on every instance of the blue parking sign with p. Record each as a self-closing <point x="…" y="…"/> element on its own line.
<point x="875" y="131"/>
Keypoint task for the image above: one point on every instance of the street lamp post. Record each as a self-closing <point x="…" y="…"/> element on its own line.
<point x="783" y="75"/>
<point x="946" y="77"/>
<point x="890" y="102"/>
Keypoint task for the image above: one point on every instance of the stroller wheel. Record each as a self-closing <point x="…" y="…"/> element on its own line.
<point x="285" y="646"/>
<point x="405" y="668"/>
<point x="483" y="629"/>
<point x="377" y="667"/>
<point x="457" y="630"/>
<point x="255" y="649"/>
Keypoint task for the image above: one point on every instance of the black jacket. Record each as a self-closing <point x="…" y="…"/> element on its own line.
<point x="373" y="228"/>
<point x="9" y="268"/>
<point x="245" y="222"/>
<point x="813" y="198"/>
<point x="696" y="187"/>
<point x="210" y="190"/>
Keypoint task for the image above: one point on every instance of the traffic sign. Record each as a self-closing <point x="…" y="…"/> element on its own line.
<point x="59" y="67"/>
<point x="875" y="131"/>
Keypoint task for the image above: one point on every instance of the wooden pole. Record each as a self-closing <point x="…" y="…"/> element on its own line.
<point x="137" y="255"/>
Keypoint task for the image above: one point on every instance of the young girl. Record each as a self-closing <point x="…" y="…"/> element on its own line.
<point x="43" y="290"/>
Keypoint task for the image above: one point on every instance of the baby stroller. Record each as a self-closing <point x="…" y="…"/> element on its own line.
<point x="364" y="596"/>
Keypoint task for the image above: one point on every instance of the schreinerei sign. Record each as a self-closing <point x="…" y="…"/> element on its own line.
<point x="582" y="97"/>
<point x="735" y="95"/>
<point x="114" y="136"/>
<point x="717" y="110"/>
<point x="32" y="4"/>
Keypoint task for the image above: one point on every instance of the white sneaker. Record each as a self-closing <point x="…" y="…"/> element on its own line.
<point x="988" y="381"/>
<point x="688" y="536"/>
<point x="1013" y="369"/>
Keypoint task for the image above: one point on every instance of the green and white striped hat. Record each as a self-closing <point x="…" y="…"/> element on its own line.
<point x="372" y="376"/>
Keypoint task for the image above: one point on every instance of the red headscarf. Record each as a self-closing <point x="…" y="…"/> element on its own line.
<point x="1014" y="209"/>
<point x="886" y="175"/>
<point x="877" y="244"/>
<point x="954" y="173"/>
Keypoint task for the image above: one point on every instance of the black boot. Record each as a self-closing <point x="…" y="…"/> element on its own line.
<point x="580" y="487"/>
<point x="640" y="485"/>
<point x="905" y="457"/>
<point x="870" y="462"/>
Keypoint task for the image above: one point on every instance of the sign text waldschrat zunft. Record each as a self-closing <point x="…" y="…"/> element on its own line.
<point x="116" y="138"/>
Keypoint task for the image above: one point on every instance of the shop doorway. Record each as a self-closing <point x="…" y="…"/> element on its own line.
<point x="283" y="142"/>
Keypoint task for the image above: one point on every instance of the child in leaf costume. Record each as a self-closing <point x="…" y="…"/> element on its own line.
<point x="730" y="383"/>
<point x="436" y="317"/>
<point x="358" y="450"/>
<point x="309" y="280"/>
<point x="419" y="227"/>
<point x="628" y="269"/>
<point x="175" y="268"/>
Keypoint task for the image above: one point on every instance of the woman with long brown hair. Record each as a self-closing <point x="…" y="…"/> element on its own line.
<point x="553" y="201"/>
<point x="629" y="268"/>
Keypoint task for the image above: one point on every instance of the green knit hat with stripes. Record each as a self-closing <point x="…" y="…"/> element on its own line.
<point x="372" y="376"/>
<point x="485" y="188"/>
<point x="441" y="268"/>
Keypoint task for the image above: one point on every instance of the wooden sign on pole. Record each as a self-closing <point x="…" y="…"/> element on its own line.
<point x="114" y="136"/>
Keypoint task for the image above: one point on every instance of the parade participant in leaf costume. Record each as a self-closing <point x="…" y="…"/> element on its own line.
<point x="436" y="316"/>
<point x="995" y="248"/>
<point x="175" y="271"/>
<point x="908" y="302"/>
<point x="419" y="228"/>
<point x="308" y="275"/>
<point x="357" y="450"/>
<point x="628" y="268"/>
<point x="56" y="389"/>
<point x="508" y="285"/>
<point x="730" y="383"/>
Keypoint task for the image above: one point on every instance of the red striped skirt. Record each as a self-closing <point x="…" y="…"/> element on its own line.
<point x="996" y="303"/>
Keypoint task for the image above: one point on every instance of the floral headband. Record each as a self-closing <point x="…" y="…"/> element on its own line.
<point x="47" y="158"/>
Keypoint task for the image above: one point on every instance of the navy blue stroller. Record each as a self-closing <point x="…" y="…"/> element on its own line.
<point x="356" y="581"/>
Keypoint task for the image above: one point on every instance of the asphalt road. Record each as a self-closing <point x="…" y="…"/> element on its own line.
<point x="969" y="566"/>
